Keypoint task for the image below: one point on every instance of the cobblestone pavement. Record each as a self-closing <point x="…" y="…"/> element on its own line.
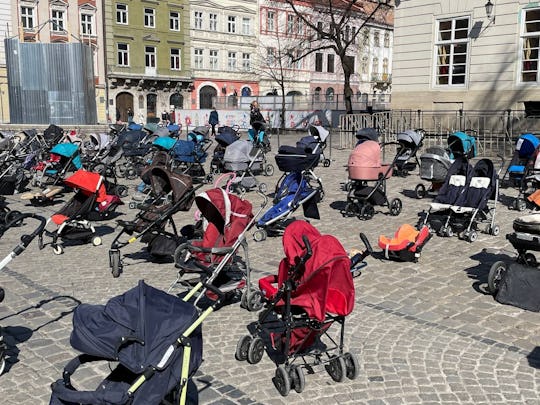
<point x="424" y="333"/>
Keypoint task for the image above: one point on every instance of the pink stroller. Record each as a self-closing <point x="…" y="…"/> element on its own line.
<point x="367" y="182"/>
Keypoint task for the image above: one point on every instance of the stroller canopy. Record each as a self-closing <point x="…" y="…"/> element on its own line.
<point x="87" y="182"/>
<point x="238" y="152"/>
<point x="225" y="138"/>
<point x="325" y="284"/>
<point x="65" y="149"/>
<point x="161" y="131"/>
<point x="319" y="132"/>
<point x="100" y="141"/>
<point x="526" y="145"/>
<point x="409" y="138"/>
<point x="462" y="144"/>
<point x="367" y="154"/>
<point x="164" y="181"/>
<point x="367" y="134"/>
<point x="164" y="142"/>
<point x="53" y="134"/>
<point x="295" y="159"/>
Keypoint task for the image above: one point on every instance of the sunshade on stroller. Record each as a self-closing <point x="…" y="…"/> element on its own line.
<point x="410" y="141"/>
<point x="189" y="155"/>
<point x="525" y="147"/>
<point x="245" y="160"/>
<point x="63" y="158"/>
<point x="214" y="258"/>
<point x="462" y="144"/>
<point x="154" y="337"/>
<point x="90" y="203"/>
<point x="434" y="165"/>
<point x="312" y="290"/>
<point x="224" y="137"/>
<point x="315" y="143"/>
<point x="367" y="134"/>
<point x="171" y="192"/>
<point x="367" y="182"/>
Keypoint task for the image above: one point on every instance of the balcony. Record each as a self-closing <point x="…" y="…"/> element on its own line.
<point x="381" y="78"/>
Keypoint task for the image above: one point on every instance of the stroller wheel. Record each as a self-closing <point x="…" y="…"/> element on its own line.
<point x="96" y="240"/>
<point x="495" y="230"/>
<point x="121" y="191"/>
<point x="254" y="301"/>
<point x="352" y="365"/>
<point x="58" y="249"/>
<point x="395" y="207"/>
<point x="114" y="263"/>
<point x="282" y="382"/>
<point x="298" y="379"/>
<point x="268" y="169"/>
<point x="336" y="368"/>
<point x="472" y="236"/>
<point x="519" y="205"/>
<point x="255" y="351"/>
<point x="420" y="191"/>
<point x="242" y="348"/>
<point x="326" y="163"/>
<point x="263" y="188"/>
<point x="496" y="273"/>
<point x="367" y="211"/>
<point x="259" y="235"/>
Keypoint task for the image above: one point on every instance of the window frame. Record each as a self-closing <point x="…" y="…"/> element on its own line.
<point x="231" y="24"/>
<point x="330" y="63"/>
<point x="452" y="43"/>
<point x="270" y="20"/>
<point x="149" y="17"/>
<point x="150" y="57"/>
<point x="246" y="26"/>
<point x="213" y="59"/>
<point x="212" y="22"/>
<point x="121" y="14"/>
<point x="58" y="22"/>
<point x="27" y="19"/>
<point x="319" y="62"/>
<point x="197" y="19"/>
<point x="87" y="25"/>
<point x="246" y="62"/>
<point x="174" y="21"/>
<point x="122" y="52"/>
<point x="231" y="61"/>
<point x="198" y="58"/>
<point x="524" y="36"/>
<point x="176" y="58"/>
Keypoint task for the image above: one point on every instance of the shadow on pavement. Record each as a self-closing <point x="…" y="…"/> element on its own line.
<point x="534" y="357"/>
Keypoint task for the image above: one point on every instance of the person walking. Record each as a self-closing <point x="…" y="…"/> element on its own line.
<point x="256" y="119"/>
<point x="213" y="120"/>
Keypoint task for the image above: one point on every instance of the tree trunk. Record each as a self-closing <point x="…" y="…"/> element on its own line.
<point x="282" y="114"/>
<point x="347" y="90"/>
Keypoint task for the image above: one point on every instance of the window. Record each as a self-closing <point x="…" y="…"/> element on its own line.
<point x="530" y="43"/>
<point x="376" y="39"/>
<point x="213" y="59"/>
<point x="375" y="66"/>
<point x="121" y="13"/>
<point x="212" y="21"/>
<point x="318" y="62"/>
<point x="246" y="26"/>
<point x="87" y="24"/>
<point x="27" y="17"/>
<point x="299" y="26"/>
<point x="451" y="50"/>
<point x="176" y="59"/>
<point x="149" y="17"/>
<point x="385" y="66"/>
<point x="387" y="40"/>
<point x="246" y="61"/>
<point x="231" y="61"/>
<point x="270" y="56"/>
<point x="365" y="65"/>
<point x="174" y="21"/>
<point x="347" y="33"/>
<point x="317" y="94"/>
<point x="329" y="94"/>
<point x="57" y="20"/>
<point x="320" y="28"/>
<point x="365" y="37"/>
<point x="198" y="59"/>
<point x="270" y="20"/>
<point x="198" y="20"/>
<point x="290" y="23"/>
<point x="150" y="56"/>
<point x="231" y="24"/>
<point x="123" y="54"/>
<point x="299" y="61"/>
<point x="330" y="63"/>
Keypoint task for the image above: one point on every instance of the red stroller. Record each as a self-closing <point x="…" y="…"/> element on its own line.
<point x="214" y="258"/>
<point x="312" y="290"/>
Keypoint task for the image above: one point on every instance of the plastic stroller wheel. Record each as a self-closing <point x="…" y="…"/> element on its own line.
<point x="395" y="207"/>
<point x="298" y="379"/>
<point x="254" y="301"/>
<point x="259" y="235"/>
<point x="132" y="205"/>
<point x="96" y="240"/>
<point x="496" y="273"/>
<point x="58" y="249"/>
<point x="121" y="191"/>
<point x="114" y="262"/>
<point x="2" y="365"/>
<point x="420" y="191"/>
<point x="367" y="211"/>
<point x="263" y="188"/>
<point x="472" y="236"/>
<point x="255" y="351"/>
<point x="326" y="163"/>
<point x="336" y="368"/>
<point x="520" y="205"/>
<point x="352" y="365"/>
<point x="242" y="347"/>
<point x="268" y="169"/>
<point x="282" y="382"/>
<point x="495" y="230"/>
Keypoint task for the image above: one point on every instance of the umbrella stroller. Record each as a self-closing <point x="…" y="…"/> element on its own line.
<point x="410" y="142"/>
<point x="313" y="290"/>
<point x="243" y="159"/>
<point x="214" y="259"/>
<point x="90" y="203"/>
<point x="171" y="193"/>
<point x="298" y="186"/>
<point x="21" y="247"/>
<point x="190" y="155"/>
<point x="225" y="137"/>
<point x="154" y="339"/>
<point x="315" y="142"/>
<point x="64" y="157"/>
<point x="367" y="182"/>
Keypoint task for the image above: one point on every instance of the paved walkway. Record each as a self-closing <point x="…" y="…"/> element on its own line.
<point x="424" y="333"/>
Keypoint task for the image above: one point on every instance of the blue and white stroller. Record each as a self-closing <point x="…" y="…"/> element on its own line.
<point x="523" y="153"/>
<point x="315" y="142"/>
<point x="190" y="155"/>
<point x="154" y="339"/>
<point x="298" y="186"/>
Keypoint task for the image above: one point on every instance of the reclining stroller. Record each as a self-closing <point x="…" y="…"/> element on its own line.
<point x="367" y="182"/>
<point x="315" y="142"/>
<point x="313" y="290"/>
<point x="153" y="336"/>
<point x="245" y="160"/>
<point x="171" y="193"/>
<point x="410" y="142"/>
<point x="214" y="258"/>
<point x="90" y="203"/>
<point x="298" y="186"/>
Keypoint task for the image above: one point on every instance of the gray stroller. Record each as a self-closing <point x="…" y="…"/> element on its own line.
<point x="243" y="159"/>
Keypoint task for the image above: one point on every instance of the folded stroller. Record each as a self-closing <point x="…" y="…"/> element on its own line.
<point x="214" y="259"/>
<point x="315" y="142"/>
<point x="298" y="186"/>
<point x="312" y="290"/>
<point x="407" y="243"/>
<point x="409" y="142"/>
<point x="171" y="193"/>
<point x="190" y="155"/>
<point x="367" y="182"/>
<point x="64" y="157"/>
<point x="90" y="203"/>
<point x="153" y="339"/>
<point x="243" y="159"/>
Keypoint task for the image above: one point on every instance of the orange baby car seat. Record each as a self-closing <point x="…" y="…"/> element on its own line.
<point x="406" y="244"/>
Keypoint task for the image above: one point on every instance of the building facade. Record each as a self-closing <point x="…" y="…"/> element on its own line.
<point x="6" y="31"/>
<point x="147" y="58"/>
<point x="454" y="55"/>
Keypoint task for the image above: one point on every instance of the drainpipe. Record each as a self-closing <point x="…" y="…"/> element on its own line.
<point x="105" y="64"/>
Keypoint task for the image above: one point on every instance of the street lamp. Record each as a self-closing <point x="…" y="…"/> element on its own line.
<point x="489" y="11"/>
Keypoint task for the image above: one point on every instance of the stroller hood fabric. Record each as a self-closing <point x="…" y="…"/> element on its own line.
<point x="410" y="138"/>
<point x="367" y="154"/>
<point x="367" y="134"/>
<point x="238" y="152"/>
<point x="319" y="132"/>
<point x="164" y="181"/>
<point x="295" y="159"/>
<point x="88" y="182"/>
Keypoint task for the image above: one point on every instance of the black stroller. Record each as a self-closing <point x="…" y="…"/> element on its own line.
<point x="171" y="192"/>
<point x="315" y="142"/>
<point x="155" y="338"/>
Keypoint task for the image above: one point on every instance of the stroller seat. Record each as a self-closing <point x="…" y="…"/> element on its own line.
<point x="406" y="244"/>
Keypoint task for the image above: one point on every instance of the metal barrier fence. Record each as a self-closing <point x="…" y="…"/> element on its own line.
<point x="495" y="132"/>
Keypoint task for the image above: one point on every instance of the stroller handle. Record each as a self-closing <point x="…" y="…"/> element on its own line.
<point x="309" y="251"/>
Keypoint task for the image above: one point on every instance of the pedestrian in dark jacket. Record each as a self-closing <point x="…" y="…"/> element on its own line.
<point x="213" y="120"/>
<point x="256" y="119"/>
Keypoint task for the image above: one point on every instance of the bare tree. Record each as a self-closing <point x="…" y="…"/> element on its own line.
<point x="330" y="24"/>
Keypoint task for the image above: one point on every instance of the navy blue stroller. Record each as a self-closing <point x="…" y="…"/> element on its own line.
<point x="298" y="186"/>
<point x="155" y="338"/>
<point x="190" y="155"/>
<point x="315" y="142"/>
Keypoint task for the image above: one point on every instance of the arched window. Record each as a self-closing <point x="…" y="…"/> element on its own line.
<point x="317" y="93"/>
<point x="245" y="92"/>
<point x="330" y="94"/>
<point x="387" y="40"/>
<point x="177" y="100"/>
<point x="207" y="96"/>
